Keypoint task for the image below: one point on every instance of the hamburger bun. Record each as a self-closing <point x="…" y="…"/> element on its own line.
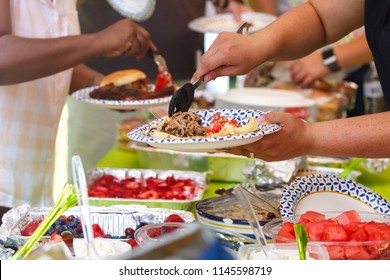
<point x="123" y="77"/>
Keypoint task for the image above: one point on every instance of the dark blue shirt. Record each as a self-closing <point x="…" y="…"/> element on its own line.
<point x="377" y="25"/>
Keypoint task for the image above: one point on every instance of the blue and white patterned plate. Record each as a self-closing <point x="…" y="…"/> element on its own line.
<point x="207" y="144"/>
<point x="325" y="192"/>
<point x="83" y="95"/>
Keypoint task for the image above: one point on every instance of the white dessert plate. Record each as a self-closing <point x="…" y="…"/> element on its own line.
<point x="83" y="96"/>
<point x="207" y="144"/>
<point x="260" y="98"/>
<point x="324" y="193"/>
<point x="226" y="22"/>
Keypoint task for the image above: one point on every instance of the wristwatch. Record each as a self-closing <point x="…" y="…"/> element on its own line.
<point x="330" y="60"/>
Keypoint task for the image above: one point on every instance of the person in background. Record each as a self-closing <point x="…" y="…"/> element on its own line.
<point x="320" y="22"/>
<point x="350" y="55"/>
<point x="95" y="135"/>
<point x="41" y="57"/>
<point x="352" y="58"/>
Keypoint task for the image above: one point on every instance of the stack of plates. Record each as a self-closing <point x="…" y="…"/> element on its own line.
<point x="267" y="99"/>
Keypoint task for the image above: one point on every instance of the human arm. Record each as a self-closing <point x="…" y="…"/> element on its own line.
<point x="84" y="76"/>
<point x="296" y="33"/>
<point x="310" y="68"/>
<point x="25" y="59"/>
<point x="364" y="136"/>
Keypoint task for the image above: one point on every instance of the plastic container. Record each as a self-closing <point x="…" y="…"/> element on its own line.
<point x="159" y="232"/>
<point x="281" y="251"/>
<point x="362" y="250"/>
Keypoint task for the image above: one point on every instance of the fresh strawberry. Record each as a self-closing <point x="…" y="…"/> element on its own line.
<point x="149" y="195"/>
<point x="97" y="231"/>
<point x="132" y="242"/>
<point x="56" y="238"/>
<point x="174" y="218"/>
<point x="30" y="228"/>
<point x="154" y="232"/>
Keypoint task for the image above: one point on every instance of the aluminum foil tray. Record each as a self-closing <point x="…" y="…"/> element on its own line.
<point x="327" y="170"/>
<point x="113" y="220"/>
<point x="199" y="177"/>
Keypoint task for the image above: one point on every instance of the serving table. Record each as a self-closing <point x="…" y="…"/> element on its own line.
<point x="119" y="158"/>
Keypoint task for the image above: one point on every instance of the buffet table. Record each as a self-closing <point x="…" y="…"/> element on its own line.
<point x="118" y="158"/>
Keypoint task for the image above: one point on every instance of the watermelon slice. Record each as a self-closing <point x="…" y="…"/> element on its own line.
<point x="311" y="216"/>
<point x="348" y="217"/>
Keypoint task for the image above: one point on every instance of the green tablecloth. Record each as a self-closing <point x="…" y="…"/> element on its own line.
<point x="118" y="158"/>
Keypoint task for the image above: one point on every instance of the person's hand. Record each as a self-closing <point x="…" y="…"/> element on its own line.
<point x="291" y="141"/>
<point x="236" y="9"/>
<point x="306" y="70"/>
<point x="125" y="38"/>
<point x="230" y="54"/>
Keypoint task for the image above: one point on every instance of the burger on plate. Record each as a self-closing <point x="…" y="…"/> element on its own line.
<point x="131" y="78"/>
<point x="128" y="85"/>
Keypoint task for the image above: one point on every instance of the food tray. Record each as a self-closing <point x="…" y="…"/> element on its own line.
<point x="224" y="212"/>
<point x="327" y="170"/>
<point x="199" y="177"/>
<point x="112" y="220"/>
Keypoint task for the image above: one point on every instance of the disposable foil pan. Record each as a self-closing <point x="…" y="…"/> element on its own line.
<point x="113" y="220"/>
<point x="199" y="177"/>
<point x="327" y="170"/>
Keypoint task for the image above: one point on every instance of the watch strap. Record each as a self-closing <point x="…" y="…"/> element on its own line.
<point x="330" y="60"/>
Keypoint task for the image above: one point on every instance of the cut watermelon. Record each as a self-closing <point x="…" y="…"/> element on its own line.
<point x="377" y="231"/>
<point x="359" y="235"/>
<point x="286" y="232"/>
<point x="352" y="228"/>
<point x="348" y="217"/>
<point x="315" y="230"/>
<point x="335" y="252"/>
<point x="334" y="233"/>
<point x="311" y="216"/>
<point x="358" y="252"/>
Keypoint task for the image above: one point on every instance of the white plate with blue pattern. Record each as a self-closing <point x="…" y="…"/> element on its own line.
<point x="325" y="192"/>
<point x="207" y="144"/>
<point x="83" y="96"/>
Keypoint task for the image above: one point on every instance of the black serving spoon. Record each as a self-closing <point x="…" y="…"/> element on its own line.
<point x="182" y="99"/>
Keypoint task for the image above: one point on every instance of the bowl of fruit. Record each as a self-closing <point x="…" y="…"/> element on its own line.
<point x="346" y="235"/>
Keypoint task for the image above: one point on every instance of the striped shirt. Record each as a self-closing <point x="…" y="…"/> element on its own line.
<point x="30" y="111"/>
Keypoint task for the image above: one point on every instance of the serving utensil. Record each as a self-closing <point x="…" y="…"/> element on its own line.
<point x="159" y="60"/>
<point x="182" y="99"/>
<point x="249" y="212"/>
<point x="82" y="199"/>
<point x="68" y="238"/>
